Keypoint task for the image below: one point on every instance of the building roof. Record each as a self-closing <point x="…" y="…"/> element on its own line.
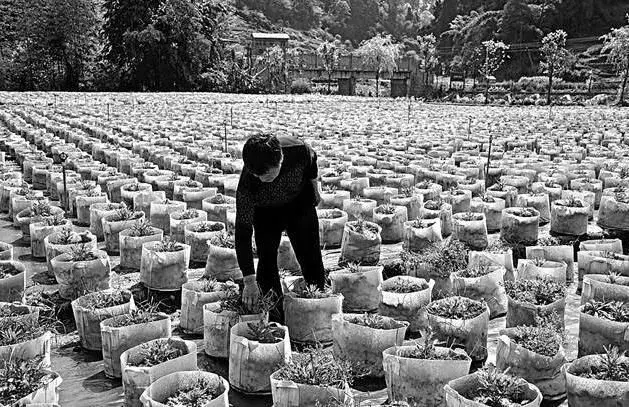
<point x="270" y="36"/>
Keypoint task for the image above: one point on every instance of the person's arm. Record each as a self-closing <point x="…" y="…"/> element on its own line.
<point x="244" y="250"/>
<point x="312" y="172"/>
<point x="244" y="228"/>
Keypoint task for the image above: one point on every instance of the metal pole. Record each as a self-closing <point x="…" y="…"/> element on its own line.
<point x="469" y="128"/>
<point x="225" y="125"/>
<point x="491" y="139"/>
<point x="64" y="157"/>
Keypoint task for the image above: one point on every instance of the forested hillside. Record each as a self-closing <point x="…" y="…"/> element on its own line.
<point x="196" y="44"/>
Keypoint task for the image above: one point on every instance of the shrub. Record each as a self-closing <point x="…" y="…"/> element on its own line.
<point x="543" y="340"/>
<point x="300" y="86"/>
<point x="316" y="367"/>
<point x="497" y="389"/>
<point x="538" y="292"/>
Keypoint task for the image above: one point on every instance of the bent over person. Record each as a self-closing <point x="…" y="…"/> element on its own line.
<point x="277" y="192"/>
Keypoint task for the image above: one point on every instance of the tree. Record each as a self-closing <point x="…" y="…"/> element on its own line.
<point x="304" y="14"/>
<point x="272" y="65"/>
<point x="517" y="26"/>
<point x="46" y="44"/>
<point x="329" y="53"/>
<point x="493" y="56"/>
<point x="381" y="54"/>
<point x="616" y="44"/>
<point x="556" y="57"/>
<point x="165" y="44"/>
<point x="428" y="53"/>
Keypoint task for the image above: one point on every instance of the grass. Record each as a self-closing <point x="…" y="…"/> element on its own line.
<point x="142" y="228"/>
<point x="124" y="214"/>
<point x="19" y="378"/>
<point x="353" y="268"/>
<point x="424" y="185"/>
<point x="497" y="389"/>
<point x="131" y="187"/>
<point x="476" y="271"/>
<point x="17" y="331"/>
<point x="457" y="308"/>
<point x="548" y="241"/>
<point x="374" y="321"/>
<point x="523" y="212"/>
<point x="203" y="227"/>
<point x="233" y="302"/>
<point x="542" y="340"/>
<point x="362" y="227"/>
<point x="441" y="259"/>
<point x="210" y="285"/>
<point x="56" y="220"/>
<point x="419" y="223"/>
<point x="196" y="394"/>
<point x="218" y="199"/>
<point x="426" y="349"/>
<point x="224" y="239"/>
<point x="189" y="214"/>
<point x="100" y="300"/>
<point x="433" y="205"/>
<point x="404" y="286"/>
<point x="386" y="209"/>
<point x="135" y="317"/>
<point x="82" y="252"/>
<point x="537" y="292"/>
<point x="470" y="216"/>
<point x="312" y="292"/>
<point x="156" y="352"/>
<point x="330" y="214"/>
<point x="617" y="311"/>
<point x="264" y="332"/>
<point x="8" y="270"/>
<point x="317" y="367"/>
<point x="498" y="186"/>
<point x="571" y="202"/>
<point x="407" y="192"/>
<point x="41" y="208"/>
<point x="613" y="365"/>
<point x="168" y="245"/>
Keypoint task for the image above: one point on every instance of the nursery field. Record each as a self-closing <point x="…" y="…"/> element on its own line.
<point x="468" y="222"/>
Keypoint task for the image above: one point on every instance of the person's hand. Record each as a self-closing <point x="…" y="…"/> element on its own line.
<point x="317" y="193"/>
<point x="250" y="292"/>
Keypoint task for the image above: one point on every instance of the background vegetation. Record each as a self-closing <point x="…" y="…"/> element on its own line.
<point x="199" y="44"/>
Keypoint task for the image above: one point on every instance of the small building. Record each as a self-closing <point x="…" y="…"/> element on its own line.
<point x="260" y="42"/>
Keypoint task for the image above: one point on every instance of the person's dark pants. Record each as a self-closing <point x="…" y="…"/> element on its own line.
<point x="302" y="227"/>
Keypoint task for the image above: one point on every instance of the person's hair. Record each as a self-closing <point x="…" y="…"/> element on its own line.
<point x="261" y="153"/>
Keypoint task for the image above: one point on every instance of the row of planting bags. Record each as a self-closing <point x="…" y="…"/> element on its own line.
<point x="43" y="225"/>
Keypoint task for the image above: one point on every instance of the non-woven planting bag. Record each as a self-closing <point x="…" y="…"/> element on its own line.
<point x="488" y="287"/>
<point x="406" y="306"/>
<point x="136" y="379"/>
<point x="421" y="234"/>
<point x="157" y="394"/>
<point x="558" y="253"/>
<point x="309" y="320"/>
<point x="360" y="287"/>
<point x="421" y="381"/>
<point x="543" y="371"/>
<point x="251" y="362"/>
<point x="363" y="345"/>
<point x="361" y="243"/>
